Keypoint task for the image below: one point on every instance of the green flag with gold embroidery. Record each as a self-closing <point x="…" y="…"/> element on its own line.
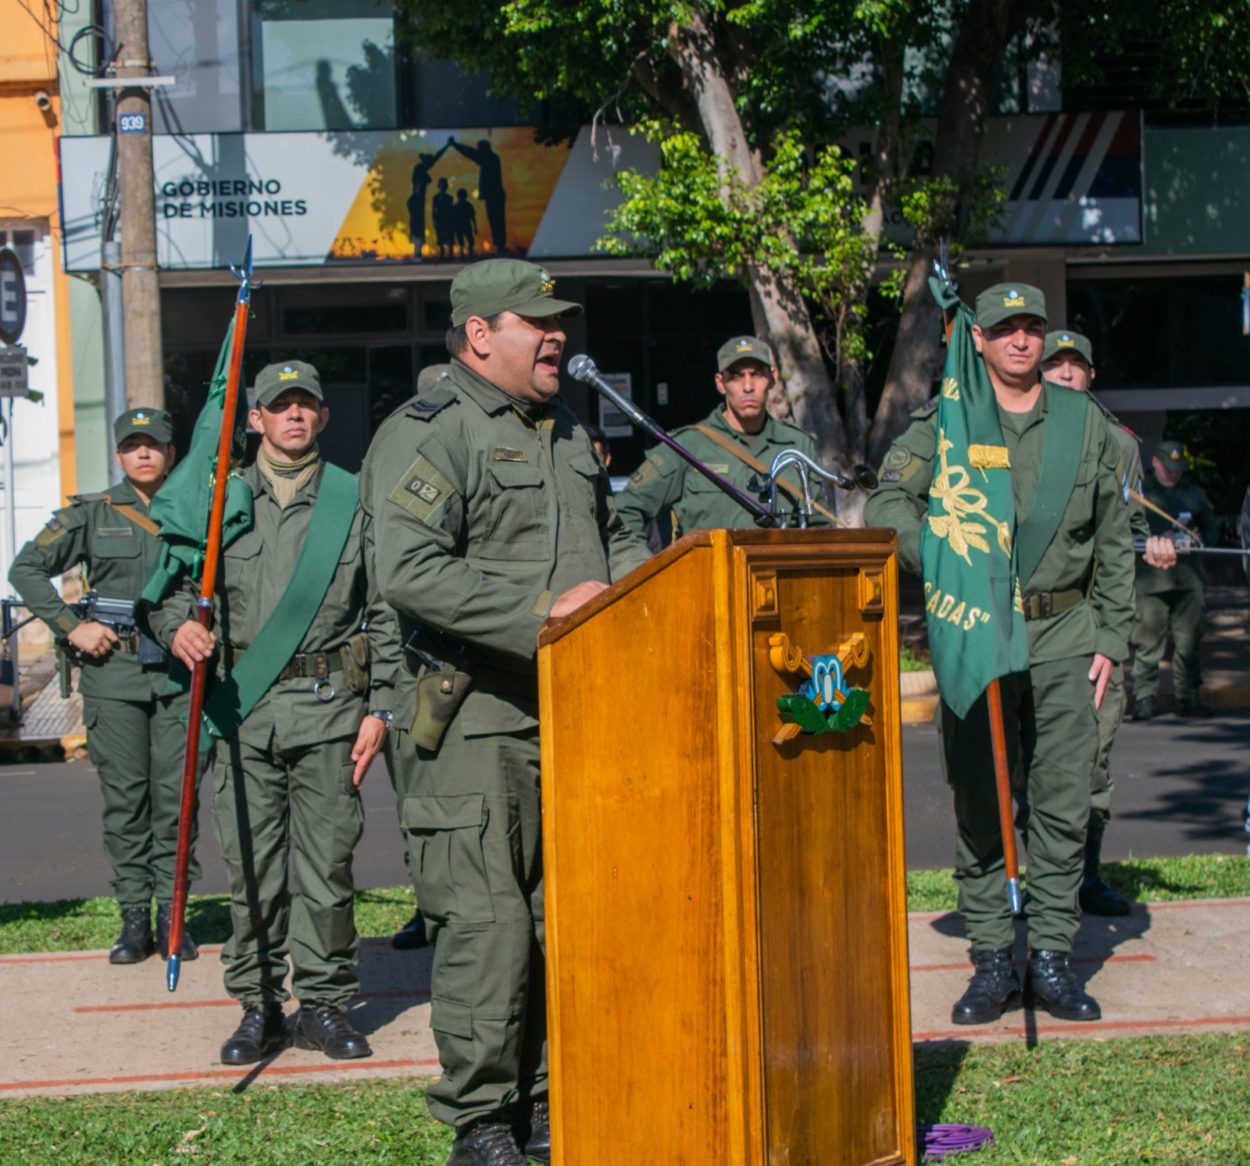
<point x="967" y="545"/>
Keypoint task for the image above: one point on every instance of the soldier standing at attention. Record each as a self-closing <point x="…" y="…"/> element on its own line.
<point x="1068" y="360"/>
<point x="738" y="440"/>
<point x="300" y="719"/>
<point x="1172" y="600"/>
<point x="1078" y="605"/>
<point x="490" y="514"/>
<point x="134" y="731"/>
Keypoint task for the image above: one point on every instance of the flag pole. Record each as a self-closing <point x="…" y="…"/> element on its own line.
<point x="204" y="615"/>
<point x="993" y="700"/>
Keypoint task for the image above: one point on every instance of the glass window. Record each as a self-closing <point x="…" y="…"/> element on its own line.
<point x="443" y="97"/>
<point x="323" y="65"/>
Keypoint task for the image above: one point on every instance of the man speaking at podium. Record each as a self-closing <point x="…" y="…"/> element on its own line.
<point x="493" y="514"/>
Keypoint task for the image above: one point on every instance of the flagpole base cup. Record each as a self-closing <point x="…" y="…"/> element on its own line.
<point x="1013" y="897"/>
<point x="171" y="972"/>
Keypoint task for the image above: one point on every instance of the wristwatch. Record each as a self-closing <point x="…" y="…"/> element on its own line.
<point x="384" y="715"/>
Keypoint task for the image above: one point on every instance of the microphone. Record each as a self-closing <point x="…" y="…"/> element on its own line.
<point x="582" y="368"/>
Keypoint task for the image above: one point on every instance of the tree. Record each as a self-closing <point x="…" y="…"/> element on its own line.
<point x="747" y="102"/>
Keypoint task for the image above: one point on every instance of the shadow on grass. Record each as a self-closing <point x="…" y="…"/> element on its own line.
<point x="937" y="1068"/>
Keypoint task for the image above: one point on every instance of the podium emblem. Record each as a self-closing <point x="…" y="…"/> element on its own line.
<point x="824" y="702"/>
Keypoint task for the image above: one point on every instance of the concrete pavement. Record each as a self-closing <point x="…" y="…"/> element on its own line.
<point x="87" y="1027"/>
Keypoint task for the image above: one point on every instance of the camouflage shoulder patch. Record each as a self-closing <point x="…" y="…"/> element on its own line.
<point x="422" y="489"/>
<point x="432" y="402"/>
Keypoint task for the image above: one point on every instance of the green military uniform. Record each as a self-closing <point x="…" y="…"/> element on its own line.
<point x="664" y="481"/>
<point x="485" y="509"/>
<point x="134" y="726"/>
<point x="1077" y="602"/>
<point x="1172" y="599"/>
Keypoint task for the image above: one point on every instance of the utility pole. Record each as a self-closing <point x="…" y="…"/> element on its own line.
<point x="145" y="366"/>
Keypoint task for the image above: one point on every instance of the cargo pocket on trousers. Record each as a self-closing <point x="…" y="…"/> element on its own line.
<point x="452" y="883"/>
<point x="451" y="1017"/>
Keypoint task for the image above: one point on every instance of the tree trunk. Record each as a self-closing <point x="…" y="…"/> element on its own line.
<point x="983" y="34"/>
<point x="776" y="300"/>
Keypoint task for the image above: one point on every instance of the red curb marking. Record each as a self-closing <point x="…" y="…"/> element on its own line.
<point x="1091" y="1027"/>
<point x="1084" y="959"/>
<point x="227" y="1003"/>
<point x="216" y="1074"/>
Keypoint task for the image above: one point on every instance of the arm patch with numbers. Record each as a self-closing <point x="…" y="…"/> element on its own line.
<point x="422" y="489"/>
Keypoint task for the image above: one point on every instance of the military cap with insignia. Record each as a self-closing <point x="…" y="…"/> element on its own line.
<point x="1059" y="343"/>
<point x="156" y="423"/>
<point x="1172" y="453"/>
<point x="1004" y="300"/>
<point x="743" y="348"/>
<point x="491" y="286"/>
<point x="275" y="379"/>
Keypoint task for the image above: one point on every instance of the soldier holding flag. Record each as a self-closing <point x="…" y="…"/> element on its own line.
<point x="1006" y="497"/>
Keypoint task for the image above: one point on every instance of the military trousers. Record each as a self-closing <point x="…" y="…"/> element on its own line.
<point x="1110" y="714"/>
<point x="136" y="747"/>
<point x="475" y="852"/>
<point x="1183" y="612"/>
<point x="273" y="806"/>
<point x="1052" y="746"/>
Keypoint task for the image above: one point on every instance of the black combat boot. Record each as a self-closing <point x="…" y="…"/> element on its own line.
<point x="1191" y="707"/>
<point x="164" y="920"/>
<point x="1144" y="708"/>
<point x="260" y="1032"/>
<point x="486" y="1143"/>
<point x="411" y="936"/>
<point x="134" y="944"/>
<point x="1097" y="898"/>
<point x="993" y="987"/>
<point x="325" y="1027"/>
<point x="1051" y="984"/>
<point x="538" y="1144"/>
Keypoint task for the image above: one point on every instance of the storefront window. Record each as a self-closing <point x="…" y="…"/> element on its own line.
<point x="322" y="65"/>
<point x="197" y="42"/>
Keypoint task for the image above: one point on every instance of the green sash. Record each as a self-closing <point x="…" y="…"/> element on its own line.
<point x="236" y="696"/>
<point x="1061" y="457"/>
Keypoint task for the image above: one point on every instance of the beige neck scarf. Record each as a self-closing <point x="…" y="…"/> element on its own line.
<point x="286" y="479"/>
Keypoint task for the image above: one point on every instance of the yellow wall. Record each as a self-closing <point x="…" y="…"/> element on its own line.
<point x="28" y="176"/>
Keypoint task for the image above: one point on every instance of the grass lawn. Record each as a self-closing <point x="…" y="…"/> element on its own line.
<point x="1175" y="1101"/>
<point x="91" y="924"/>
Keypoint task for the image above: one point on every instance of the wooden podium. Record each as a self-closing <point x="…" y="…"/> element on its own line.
<point x="727" y="973"/>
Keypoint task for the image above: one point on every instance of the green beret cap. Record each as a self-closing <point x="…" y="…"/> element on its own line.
<point x="1172" y="453"/>
<point x="491" y="286"/>
<point x="156" y="423"/>
<point x="1058" y="343"/>
<point x="275" y="379"/>
<point x="1004" y="300"/>
<point x="743" y="348"/>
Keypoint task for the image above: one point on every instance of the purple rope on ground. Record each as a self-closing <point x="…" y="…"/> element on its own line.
<point x="937" y="1140"/>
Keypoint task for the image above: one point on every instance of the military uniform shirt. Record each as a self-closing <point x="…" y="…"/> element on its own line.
<point x="1093" y="533"/>
<point x="665" y="481"/>
<point x="118" y="556"/>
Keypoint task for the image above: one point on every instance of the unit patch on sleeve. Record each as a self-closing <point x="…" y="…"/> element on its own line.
<point x="422" y="489"/>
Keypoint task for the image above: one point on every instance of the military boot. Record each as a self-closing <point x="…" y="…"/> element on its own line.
<point x="486" y="1143"/>
<point x="538" y="1144"/>
<point x="134" y="944"/>
<point x="164" y="920"/>
<point x="1051" y="984"/>
<point x="260" y="1032"/>
<point x="1097" y="898"/>
<point x="325" y="1027"/>
<point x="993" y="987"/>
<point x="1144" y="708"/>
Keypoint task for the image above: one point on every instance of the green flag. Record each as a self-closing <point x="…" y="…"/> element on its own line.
<point x="967" y="545"/>
<point x="181" y="506"/>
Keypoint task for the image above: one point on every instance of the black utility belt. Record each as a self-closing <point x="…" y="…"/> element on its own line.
<point x="312" y="665"/>
<point x="1048" y="604"/>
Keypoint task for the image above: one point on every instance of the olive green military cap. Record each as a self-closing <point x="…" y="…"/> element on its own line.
<point x="1172" y="454"/>
<point x="156" y="423"/>
<point x="491" y="286"/>
<point x="275" y="379"/>
<point x="743" y="348"/>
<point x="1068" y="343"/>
<point x="429" y="376"/>
<point x="1004" y="300"/>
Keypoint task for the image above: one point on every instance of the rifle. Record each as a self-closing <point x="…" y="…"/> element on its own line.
<point x="204" y="615"/>
<point x="119" y="616"/>
<point x="1182" y="548"/>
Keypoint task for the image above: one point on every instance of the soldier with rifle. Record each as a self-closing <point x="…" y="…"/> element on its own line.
<point x="134" y="730"/>
<point x="1068" y="360"/>
<point x="301" y="706"/>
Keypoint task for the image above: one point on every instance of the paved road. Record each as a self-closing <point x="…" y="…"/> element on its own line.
<point x="1181" y="788"/>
